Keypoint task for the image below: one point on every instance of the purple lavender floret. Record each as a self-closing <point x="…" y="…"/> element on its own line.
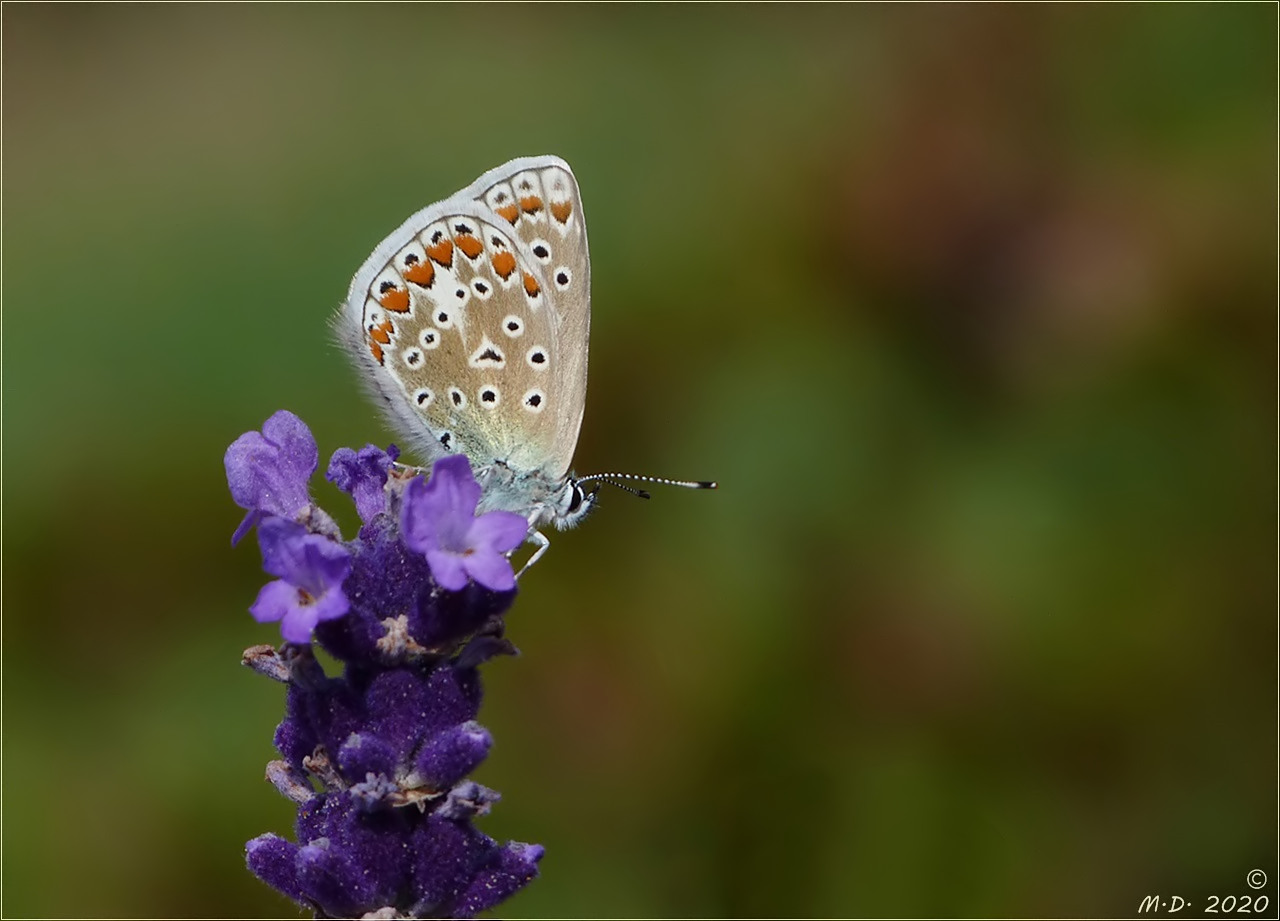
<point x="363" y="474"/>
<point x="311" y="570"/>
<point x="268" y="471"/>
<point x="378" y="758"/>
<point x="440" y="522"/>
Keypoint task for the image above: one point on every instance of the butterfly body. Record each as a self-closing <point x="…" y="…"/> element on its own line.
<point x="470" y="324"/>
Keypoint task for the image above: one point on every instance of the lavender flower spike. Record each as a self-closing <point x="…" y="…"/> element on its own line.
<point x="376" y="758"/>
<point x="311" y="570"/>
<point x="439" y="520"/>
<point x="267" y="471"/>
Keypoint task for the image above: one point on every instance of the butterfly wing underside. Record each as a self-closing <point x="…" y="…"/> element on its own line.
<point x="472" y="320"/>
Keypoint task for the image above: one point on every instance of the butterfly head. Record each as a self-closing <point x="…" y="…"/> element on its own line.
<point x="573" y="503"/>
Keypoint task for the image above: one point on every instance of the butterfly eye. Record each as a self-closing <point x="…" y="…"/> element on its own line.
<point x="575" y="498"/>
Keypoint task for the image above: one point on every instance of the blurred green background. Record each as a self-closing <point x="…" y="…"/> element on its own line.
<point x="971" y="310"/>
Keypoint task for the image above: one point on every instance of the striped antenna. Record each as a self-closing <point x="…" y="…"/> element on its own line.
<point x="612" y="480"/>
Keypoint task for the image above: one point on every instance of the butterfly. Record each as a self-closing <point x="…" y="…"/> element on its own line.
<point x="470" y="325"/>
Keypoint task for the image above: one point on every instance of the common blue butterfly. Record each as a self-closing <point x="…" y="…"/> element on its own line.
<point x="470" y="324"/>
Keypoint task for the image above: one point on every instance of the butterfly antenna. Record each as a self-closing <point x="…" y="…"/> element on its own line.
<point x="643" y="494"/>
<point x="613" y="478"/>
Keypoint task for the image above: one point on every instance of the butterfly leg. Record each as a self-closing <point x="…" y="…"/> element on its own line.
<point x="535" y="537"/>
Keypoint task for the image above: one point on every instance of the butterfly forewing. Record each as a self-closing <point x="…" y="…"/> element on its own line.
<point x="473" y="320"/>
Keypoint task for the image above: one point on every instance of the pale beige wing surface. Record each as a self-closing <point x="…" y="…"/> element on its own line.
<point x="460" y="318"/>
<point x="473" y="320"/>
<point x="540" y="201"/>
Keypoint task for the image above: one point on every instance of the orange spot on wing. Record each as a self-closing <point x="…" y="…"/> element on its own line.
<point x="504" y="264"/>
<point x="421" y="273"/>
<point x="441" y="252"/>
<point x="561" y="210"/>
<point x="531" y="285"/>
<point x="531" y="204"/>
<point x="395" y="299"/>
<point x="382" y="332"/>
<point x="510" y="212"/>
<point x="376" y="350"/>
<point x="470" y="246"/>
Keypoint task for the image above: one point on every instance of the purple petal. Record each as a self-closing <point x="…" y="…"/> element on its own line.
<point x="311" y="570"/>
<point x="268" y="471"/>
<point x="500" y="532"/>
<point x="298" y="623"/>
<point x="439" y="521"/>
<point x="439" y="512"/>
<point x="492" y="570"/>
<point x="419" y="525"/>
<point x="325" y="565"/>
<point x="363" y="474"/>
<point x="299" y="455"/>
<point x="274" y="601"/>
<point x="451" y="476"/>
<point x="447" y="569"/>
<point x="246" y="461"/>
<point x="306" y="611"/>
<point x="305" y="560"/>
<point x="330" y="606"/>
<point x="281" y="543"/>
